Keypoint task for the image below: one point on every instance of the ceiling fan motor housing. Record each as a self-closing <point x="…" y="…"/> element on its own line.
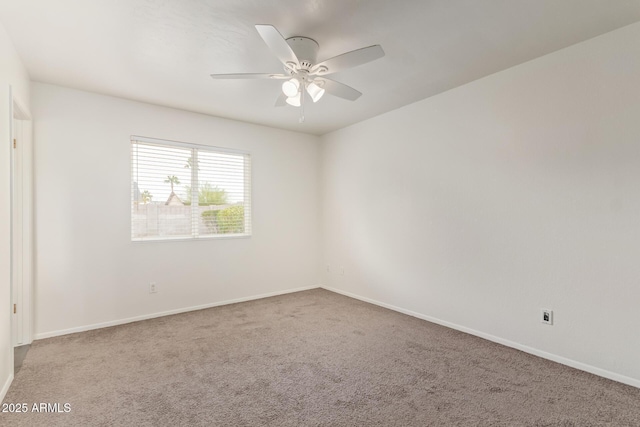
<point x="306" y="50"/>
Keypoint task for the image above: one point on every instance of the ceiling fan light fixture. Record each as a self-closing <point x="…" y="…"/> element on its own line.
<point x="294" y="100"/>
<point x="291" y="87"/>
<point x="315" y="91"/>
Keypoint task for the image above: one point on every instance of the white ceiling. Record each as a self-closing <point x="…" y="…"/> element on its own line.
<point x="162" y="51"/>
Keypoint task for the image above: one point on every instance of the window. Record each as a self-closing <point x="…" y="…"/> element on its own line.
<point x="187" y="191"/>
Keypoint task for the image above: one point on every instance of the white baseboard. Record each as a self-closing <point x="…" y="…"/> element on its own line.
<point x="545" y="355"/>
<point x="7" y="384"/>
<point x="50" y="334"/>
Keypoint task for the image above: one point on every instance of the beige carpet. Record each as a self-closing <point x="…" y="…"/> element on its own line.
<point x="311" y="358"/>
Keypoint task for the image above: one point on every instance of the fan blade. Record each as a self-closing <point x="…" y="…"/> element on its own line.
<point x="340" y="89"/>
<point x="348" y="60"/>
<point x="250" y="76"/>
<point x="277" y="44"/>
<point x="282" y="100"/>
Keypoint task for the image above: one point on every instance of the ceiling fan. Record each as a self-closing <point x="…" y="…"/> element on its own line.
<point x="303" y="76"/>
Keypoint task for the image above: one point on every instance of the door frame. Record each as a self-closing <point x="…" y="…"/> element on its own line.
<point x="21" y="233"/>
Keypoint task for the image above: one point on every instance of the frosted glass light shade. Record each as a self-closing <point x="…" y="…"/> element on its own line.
<point x="290" y="87"/>
<point x="294" y="100"/>
<point x="315" y="91"/>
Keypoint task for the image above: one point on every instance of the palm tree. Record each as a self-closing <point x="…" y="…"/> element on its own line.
<point x="190" y="163"/>
<point x="146" y="197"/>
<point x="172" y="179"/>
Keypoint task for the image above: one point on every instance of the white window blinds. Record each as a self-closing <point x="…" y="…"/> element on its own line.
<point x="186" y="191"/>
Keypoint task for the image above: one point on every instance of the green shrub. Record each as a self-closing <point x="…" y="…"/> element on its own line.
<point x="210" y="219"/>
<point x="231" y="219"/>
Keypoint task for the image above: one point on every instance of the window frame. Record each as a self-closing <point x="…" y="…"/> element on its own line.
<point x="248" y="190"/>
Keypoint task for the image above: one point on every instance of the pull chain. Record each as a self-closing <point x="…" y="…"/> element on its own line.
<point x="301" y="119"/>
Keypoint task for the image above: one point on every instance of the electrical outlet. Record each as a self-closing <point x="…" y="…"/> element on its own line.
<point x="153" y="288"/>
<point x="342" y="271"/>
<point x="546" y="316"/>
<point x="328" y="268"/>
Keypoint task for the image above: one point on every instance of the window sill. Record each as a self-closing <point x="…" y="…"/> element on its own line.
<point x="190" y="239"/>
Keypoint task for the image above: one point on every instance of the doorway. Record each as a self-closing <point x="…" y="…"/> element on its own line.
<point x="21" y="225"/>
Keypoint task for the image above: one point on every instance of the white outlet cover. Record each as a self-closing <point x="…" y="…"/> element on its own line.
<point x="546" y="316"/>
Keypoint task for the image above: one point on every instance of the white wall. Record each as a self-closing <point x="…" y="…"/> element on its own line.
<point x="484" y="204"/>
<point x="89" y="275"/>
<point x="12" y="73"/>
